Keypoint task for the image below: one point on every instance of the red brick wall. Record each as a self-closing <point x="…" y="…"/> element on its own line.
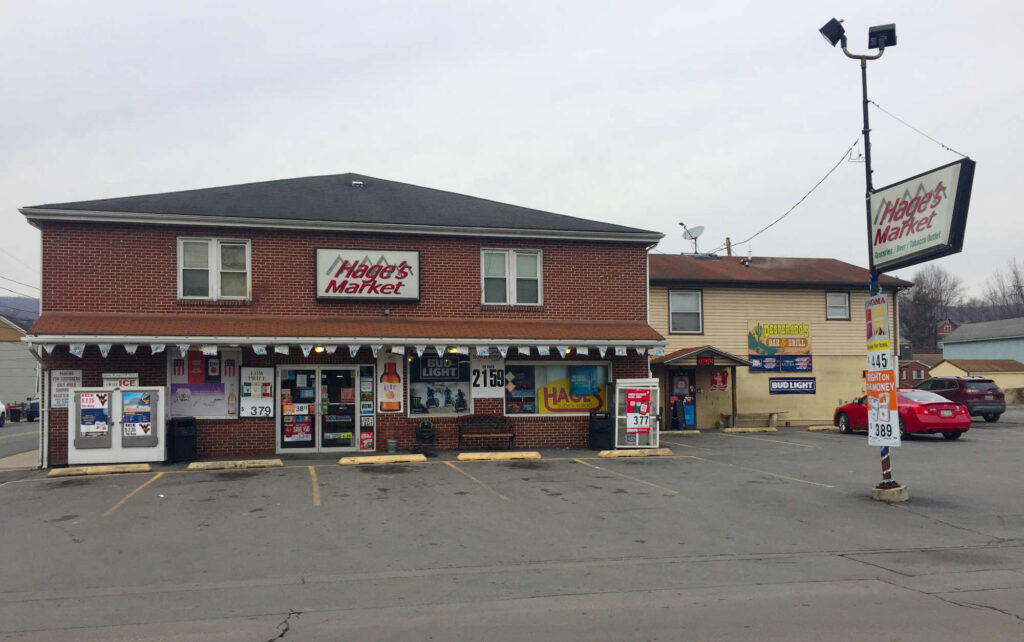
<point x="254" y="437"/>
<point x="133" y="268"/>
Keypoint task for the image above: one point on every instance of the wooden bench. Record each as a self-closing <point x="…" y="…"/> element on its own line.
<point x="485" y="427"/>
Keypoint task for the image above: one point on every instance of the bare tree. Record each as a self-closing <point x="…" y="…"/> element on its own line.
<point x="923" y="306"/>
<point x="1005" y="291"/>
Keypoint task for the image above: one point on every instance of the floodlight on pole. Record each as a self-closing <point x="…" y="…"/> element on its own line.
<point x="879" y="37"/>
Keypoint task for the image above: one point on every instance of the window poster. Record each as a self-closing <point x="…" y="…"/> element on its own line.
<point x="638" y="411"/>
<point x="94" y="413"/>
<point x="205" y="386"/>
<point x="487" y="377"/>
<point x="439" y="385"/>
<point x="137" y="414"/>
<point x="544" y="389"/>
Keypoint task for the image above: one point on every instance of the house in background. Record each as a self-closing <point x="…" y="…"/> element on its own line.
<point x="18" y="367"/>
<point x="913" y="372"/>
<point x="759" y="336"/>
<point x="944" y="329"/>
<point x="1002" y="339"/>
<point x="1007" y="373"/>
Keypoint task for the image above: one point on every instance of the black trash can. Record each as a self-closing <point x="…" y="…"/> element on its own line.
<point x="181" y="439"/>
<point x="602" y="431"/>
<point x="15" y="413"/>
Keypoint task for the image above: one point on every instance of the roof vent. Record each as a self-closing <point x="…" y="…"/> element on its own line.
<point x="357" y="183"/>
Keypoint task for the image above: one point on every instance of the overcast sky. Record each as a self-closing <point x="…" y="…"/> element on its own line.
<point x="640" y="113"/>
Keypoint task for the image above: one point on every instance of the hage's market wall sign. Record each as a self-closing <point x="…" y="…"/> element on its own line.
<point x="386" y="275"/>
<point x="920" y="218"/>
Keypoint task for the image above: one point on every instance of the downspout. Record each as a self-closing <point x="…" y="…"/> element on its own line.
<point x="44" y="409"/>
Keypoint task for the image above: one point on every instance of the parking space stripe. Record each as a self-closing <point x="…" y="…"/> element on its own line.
<point x="476" y="480"/>
<point x="630" y="477"/>
<point x="316" y="486"/>
<point x="676" y="443"/>
<point x="778" y="441"/>
<point x="129" y="495"/>
<point x="765" y="472"/>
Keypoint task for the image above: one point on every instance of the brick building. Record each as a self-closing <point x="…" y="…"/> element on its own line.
<point x="346" y="307"/>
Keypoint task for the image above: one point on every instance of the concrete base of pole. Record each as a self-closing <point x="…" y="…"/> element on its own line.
<point x="890" y="495"/>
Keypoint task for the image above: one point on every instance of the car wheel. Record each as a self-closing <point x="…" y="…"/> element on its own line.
<point x="952" y="434"/>
<point x="991" y="417"/>
<point x="903" y="429"/>
<point x="843" y="421"/>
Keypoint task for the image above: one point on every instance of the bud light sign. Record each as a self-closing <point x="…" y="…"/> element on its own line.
<point x="792" y="386"/>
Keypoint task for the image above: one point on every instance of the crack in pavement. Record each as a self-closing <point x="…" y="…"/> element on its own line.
<point x="947" y="600"/>
<point x="286" y="624"/>
<point x="950" y="524"/>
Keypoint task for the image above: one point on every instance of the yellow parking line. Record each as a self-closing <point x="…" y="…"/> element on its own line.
<point x="316" y="486"/>
<point x="778" y="441"/>
<point x="21" y="434"/>
<point x="636" y="479"/>
<point x="129" y="495"/>
<point x="476" y="480"/>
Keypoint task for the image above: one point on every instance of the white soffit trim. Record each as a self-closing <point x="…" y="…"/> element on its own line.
<point x="35" y="214"/>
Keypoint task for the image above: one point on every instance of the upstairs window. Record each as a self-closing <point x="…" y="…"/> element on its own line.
<point x="214" y="269"/>
<point x="684" y="312"/>
<point x="512" y="277"/>
<point x="837" y="306"/>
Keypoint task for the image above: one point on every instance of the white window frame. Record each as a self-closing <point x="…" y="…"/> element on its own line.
<point x="829" y="317"/>
<point x="213" y="247"/>
<point x="700" y="312"/>
<point x="511" y="277"/>
<point x="918" y="374"/>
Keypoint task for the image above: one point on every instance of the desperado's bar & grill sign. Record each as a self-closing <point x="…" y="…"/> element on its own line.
<point x="390" y="275"/>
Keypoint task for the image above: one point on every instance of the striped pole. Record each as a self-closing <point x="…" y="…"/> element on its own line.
<point x="886" y="467"/>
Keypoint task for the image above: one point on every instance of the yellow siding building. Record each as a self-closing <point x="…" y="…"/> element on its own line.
<point x="708" y="308"/>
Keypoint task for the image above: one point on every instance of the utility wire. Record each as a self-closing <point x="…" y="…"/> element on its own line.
<point x="845" y="155"/>
<point x="897" y="118"/>
<point x="7" y="278"/>
<point x="21" y="294"/>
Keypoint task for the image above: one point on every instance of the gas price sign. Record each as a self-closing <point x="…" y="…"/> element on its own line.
<point x="883" y="414"/>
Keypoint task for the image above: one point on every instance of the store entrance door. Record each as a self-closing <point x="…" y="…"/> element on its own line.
<point x="318" y="408"/>
<point x="682" y="399"/>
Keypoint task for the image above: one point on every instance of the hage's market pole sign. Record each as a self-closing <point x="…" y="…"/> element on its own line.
<point x="920" y="218"/>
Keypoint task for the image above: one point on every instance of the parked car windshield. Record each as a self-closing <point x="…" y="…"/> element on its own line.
<point x="976" y="386"/>
<point x="922" y="396"/>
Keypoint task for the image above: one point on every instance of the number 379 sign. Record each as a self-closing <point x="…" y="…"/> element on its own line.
<point x="638" y="411"/>
<point x="883" y="414"/>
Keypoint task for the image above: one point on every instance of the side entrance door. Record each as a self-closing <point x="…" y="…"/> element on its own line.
<point x="683" y="399"/>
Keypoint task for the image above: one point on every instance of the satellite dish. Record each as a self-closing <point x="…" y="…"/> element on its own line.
<point x="691" y="233"/>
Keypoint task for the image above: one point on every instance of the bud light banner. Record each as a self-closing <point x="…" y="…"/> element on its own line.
<point x="794" y="386"/>
<point x="921" y="218"/>
<point x="382" y="275"/>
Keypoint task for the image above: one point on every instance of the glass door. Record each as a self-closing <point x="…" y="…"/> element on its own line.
<point x="338" y="409"/>
<point x="298" y="408"/>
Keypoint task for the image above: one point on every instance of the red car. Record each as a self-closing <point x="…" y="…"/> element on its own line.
<point x="920" y="412"/>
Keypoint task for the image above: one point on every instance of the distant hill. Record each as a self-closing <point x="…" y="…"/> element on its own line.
<point x="22" y="311"/>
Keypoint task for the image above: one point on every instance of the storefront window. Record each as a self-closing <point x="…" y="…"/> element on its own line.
<point x="439" y="385"/>
<point x="205" y="386"/>
<point x="555" y="389"/>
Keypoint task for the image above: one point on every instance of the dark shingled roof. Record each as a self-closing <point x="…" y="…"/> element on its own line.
<point x="762" y="271"/>
<point x="987" y="330"/>
<point x="335" y="199"/>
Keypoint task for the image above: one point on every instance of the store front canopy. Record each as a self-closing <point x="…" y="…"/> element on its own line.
<point x="76" y="328"/>
<point x="690" y="356"/>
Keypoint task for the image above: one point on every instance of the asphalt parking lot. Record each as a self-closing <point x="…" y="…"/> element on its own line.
<point x="760" y="536"/>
